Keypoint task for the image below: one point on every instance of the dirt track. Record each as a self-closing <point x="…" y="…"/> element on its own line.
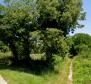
<point x="70" y="78"/>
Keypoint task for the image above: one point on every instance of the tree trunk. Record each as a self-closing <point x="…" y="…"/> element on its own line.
<point x="13" y="50"/>
<point x="27" y="47"/>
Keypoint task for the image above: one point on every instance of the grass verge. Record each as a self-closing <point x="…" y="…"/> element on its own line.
<point x="82" y="68"/>
<point x="14" y="75"/>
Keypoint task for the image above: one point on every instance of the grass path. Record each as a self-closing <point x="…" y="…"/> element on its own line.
<point x="2" y="81"/>
<point x="14" y="76"/>
<point x="63" y="77"/>
<point x="66" y="74"/>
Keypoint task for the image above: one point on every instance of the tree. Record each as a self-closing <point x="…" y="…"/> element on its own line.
<point x="79" y="42"/>
<point x="60" y="14"/>
<point x="17" y="22"/>
<point x="19" y="18"/>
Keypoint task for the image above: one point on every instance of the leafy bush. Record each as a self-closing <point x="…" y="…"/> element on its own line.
<point x="5" y="58"/>
<point x="54" y="43"/>
<point x="36" y="43"/>
<point x="3" y="47"/>
<point x="51" y="41"/>
<point x="79" y="42"/>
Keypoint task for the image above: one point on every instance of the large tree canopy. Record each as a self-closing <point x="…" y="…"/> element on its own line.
<point x="15" y="27"/>
<point x="61" y="14"/>
<point x="19" y="18"/>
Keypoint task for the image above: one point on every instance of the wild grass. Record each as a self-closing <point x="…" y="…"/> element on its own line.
<point x="82" y="68"/>
<point x="37" y="74"/>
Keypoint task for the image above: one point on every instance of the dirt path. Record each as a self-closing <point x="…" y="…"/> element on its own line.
<point x="70" y="78"/>
<point x="65" y="74"/>
<point x="2" y="81"/>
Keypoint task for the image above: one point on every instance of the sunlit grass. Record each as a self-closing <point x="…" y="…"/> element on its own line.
<point x="16" y="75"/>
<point x="82" y="68"/>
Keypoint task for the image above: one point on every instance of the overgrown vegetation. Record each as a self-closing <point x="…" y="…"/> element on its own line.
<point x="79" y="42"/>
<point x="82" y="68"/>
<point x="50" y="20"/>
<point x="34" y="74"/>
<point x="35" y="42"/>
<point x="81" y="48"/>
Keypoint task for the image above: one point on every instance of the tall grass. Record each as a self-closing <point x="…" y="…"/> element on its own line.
<point x="82" y="68"/>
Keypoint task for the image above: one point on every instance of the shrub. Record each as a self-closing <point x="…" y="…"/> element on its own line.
<point x="79" y="42"/>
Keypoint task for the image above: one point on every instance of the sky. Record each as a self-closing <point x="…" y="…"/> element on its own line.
<point x="1" y="1"/>
<point x="87" y="22"/>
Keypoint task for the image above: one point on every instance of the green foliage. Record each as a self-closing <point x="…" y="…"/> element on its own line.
<point x="3" y="47"/>
<point x="17" y="22"/>
<point x="54" y="43"/>
<point x="49" y="42"/>
<point x="5" y="55"/>
<point x="85" y="54"/>
<point x="82" y="68"/>
<point x="36" y="42"/>
<point x="36" y="26"/>
<point x="5" y="58"/>
<point x="60" y="14"/>
<point x="57" y="59"/>
<point x="79" y="42"/>
<point x="82" y="38"/>
<point x="82" y="46"/>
